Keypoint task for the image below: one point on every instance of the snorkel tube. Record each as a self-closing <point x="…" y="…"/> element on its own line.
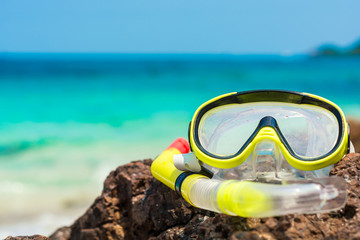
<point x="245" y="198"/>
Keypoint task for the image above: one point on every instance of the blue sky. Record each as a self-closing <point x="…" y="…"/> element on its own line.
<point x="167" y="26"/>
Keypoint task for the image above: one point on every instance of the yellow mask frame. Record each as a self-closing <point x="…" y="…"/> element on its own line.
<point x="269" y="131"/>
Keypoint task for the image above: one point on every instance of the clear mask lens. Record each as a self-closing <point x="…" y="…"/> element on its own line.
<point x="310" y="131"/>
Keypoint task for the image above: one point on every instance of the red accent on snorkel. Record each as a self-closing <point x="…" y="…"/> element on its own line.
<point x="180" y="144"/>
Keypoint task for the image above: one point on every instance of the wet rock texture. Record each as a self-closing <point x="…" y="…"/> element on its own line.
<point x="134" y="205"/>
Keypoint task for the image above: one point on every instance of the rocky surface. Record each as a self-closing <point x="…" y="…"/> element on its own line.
<point x="355" y="133"/>
<point x="34" y="237"/>
<point x="134" y="205"/>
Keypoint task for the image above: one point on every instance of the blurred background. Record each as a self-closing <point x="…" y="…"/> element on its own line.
<point x="87" y="86"/>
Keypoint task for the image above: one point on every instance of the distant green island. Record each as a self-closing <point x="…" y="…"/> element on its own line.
<point x="336" y="51"/>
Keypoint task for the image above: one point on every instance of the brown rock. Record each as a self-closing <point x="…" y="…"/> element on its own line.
<point x="355" y="133"/>
<point x="134" y="205"/>
<point x="33" y="237"/>
<point x="61" y="234"/>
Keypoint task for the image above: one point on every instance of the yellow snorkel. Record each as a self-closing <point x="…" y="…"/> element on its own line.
<point x="245" y="198"/>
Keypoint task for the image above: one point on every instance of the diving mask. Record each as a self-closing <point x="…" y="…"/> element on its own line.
<point x="261" y="153"/>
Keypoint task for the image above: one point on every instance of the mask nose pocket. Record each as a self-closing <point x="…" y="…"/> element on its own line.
<point x="266" y="160"/>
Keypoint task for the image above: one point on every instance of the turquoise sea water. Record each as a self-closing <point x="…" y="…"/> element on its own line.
<point x="68" y="119"/>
